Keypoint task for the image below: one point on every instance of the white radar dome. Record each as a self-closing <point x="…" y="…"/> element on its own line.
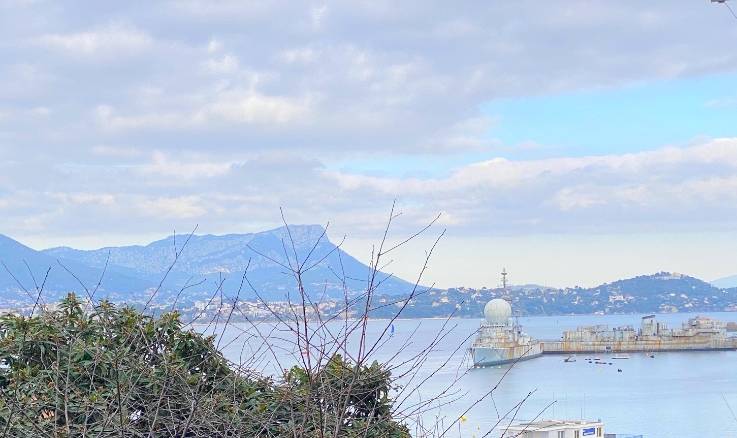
<point x="498" y="311"/>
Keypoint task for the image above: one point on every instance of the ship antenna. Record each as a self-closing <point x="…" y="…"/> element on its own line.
<point x="504" y="290"/>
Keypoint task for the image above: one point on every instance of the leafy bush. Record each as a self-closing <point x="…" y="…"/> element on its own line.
<point x="114" y="371"/>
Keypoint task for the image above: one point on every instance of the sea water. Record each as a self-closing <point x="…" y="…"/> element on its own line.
<point x="674" y="394"/>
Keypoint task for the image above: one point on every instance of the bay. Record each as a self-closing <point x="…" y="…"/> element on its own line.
<point x="674" y="394"/>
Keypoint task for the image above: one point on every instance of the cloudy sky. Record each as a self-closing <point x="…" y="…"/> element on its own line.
<point x="573" y="142"/>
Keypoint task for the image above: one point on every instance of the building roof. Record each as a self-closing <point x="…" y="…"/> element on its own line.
<point x="552" y="425"/>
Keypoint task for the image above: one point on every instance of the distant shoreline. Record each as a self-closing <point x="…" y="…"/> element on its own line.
<point x="436" y="318"/>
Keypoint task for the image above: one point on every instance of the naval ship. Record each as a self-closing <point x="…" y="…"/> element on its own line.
<point x="501" y="340"/>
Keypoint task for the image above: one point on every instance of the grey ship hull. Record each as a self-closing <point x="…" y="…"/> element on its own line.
<point x="491" y="356"/>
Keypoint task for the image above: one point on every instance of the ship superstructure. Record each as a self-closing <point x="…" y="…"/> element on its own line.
<point x="501" y="340"/>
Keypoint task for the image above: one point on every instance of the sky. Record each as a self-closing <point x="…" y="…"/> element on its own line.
<point x="570" y="141"/>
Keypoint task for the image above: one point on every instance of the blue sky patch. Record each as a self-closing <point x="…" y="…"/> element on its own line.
<point x="641" y="117"/>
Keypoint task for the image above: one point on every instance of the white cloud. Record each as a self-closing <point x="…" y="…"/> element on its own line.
<point x="225" y="9"/>
<point x="664" y="184"/>
<point x="317" y="15"/>
<point x="173" y="208"/>
<point x="300" y="55"/>
<point x="214" y="45"/>
<point x="40" y="111"/>
<point x="108" y="118"/>
<point x="21" y="81"/>
<point x="225" y="64"/>
<point x="112" y="40"/>
<point x="240" y="107"/>
<point x="80" y="198"/>
<point x="466" y="135"/>
<point x="254" y="108"/>
<point x="570" y="198"/>
<point x="456" y="28"/>
<point x="165" y="166"/>
<point x="116" y="151"/>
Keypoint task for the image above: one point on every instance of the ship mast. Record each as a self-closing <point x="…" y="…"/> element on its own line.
<point x="516" y="330"/>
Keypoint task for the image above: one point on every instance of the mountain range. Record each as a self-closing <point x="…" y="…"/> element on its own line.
<point x="131" y="273"/>
<point x="205" y="262"/>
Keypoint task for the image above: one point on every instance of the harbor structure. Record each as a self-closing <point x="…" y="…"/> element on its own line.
<point x="699" y="333"/>
<point x="501" y="340"/>
<point x="557" y="429"/>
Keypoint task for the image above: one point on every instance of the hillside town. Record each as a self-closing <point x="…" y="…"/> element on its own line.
<point x="658" y="293"/>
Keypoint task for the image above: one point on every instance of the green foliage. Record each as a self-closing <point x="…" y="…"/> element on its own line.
<point x="114" y="371"/>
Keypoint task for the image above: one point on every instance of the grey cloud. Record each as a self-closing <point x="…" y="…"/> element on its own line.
<point x="132" y="116"/>
<point x="370" y="76"/>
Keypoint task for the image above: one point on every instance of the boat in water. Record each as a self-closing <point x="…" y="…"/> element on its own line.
<point x="500" y="340"/>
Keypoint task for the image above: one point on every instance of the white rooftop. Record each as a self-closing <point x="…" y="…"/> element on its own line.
<point x="554" y="425"/>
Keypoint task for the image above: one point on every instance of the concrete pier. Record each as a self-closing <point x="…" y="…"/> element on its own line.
<point x="697" y="334"/>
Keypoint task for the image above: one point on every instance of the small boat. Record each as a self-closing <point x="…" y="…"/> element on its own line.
<point x="619" y="370"/>
<point x="569" y="359"/>
<point x="652" y="355"/>
<point x="621" y="357"/>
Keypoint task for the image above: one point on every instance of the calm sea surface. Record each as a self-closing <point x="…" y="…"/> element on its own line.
<point x="672" y="395"/>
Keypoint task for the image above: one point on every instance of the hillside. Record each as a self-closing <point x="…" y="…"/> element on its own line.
<point x="214" y="258"/>
<point x="656" y="293"/>
<point x="662" y="292"/>
<point x="25" y="269"/>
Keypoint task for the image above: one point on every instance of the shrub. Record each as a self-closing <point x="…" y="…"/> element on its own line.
<point x="112" y="370"/>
